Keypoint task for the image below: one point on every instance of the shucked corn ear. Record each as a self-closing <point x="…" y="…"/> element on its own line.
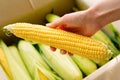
<point x="71" y="42"/>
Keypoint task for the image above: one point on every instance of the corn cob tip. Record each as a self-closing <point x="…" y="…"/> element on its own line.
<point x="8" y="29"/>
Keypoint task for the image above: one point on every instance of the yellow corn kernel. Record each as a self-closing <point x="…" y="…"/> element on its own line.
<point x="74" y="43"/>
<point x="42" y="76"/>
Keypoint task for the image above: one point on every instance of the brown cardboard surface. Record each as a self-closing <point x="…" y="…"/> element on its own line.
<point x="20" y="10"/>
<point x="109" y="71"/>
<point x="11" y="9"/>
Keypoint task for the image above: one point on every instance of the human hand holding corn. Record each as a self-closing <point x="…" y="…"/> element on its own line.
<point x="90" y="21"/>
<point x="76" y="23"/>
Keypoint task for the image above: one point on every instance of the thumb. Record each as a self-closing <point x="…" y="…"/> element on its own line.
<point x="50" y="25"/>
<point x="54" y="24"/>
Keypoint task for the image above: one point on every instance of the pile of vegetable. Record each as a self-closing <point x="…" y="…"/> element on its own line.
<point x="27" y="60"/>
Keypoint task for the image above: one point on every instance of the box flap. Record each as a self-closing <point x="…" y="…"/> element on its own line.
<point x="109" y="71"/>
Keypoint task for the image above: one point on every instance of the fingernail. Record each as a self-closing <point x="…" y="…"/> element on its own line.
<point x="63" y="51"/>
<point x="52" y="48"/>
<point x="61" y="27"/>
<point x="48" y="24"/>
<point x="70" y="54"/>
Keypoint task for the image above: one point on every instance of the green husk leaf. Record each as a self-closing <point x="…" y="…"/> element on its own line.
<point x="3" y="75"/>
<point x="33" y="60"/>
<point x="17" y="71"/>
<point x="101" y="36"/>
<point x="51" y="17"/>
<point x="85" y="64"/>
<point x="63" y="65"/>
<point x="16" y="55"/>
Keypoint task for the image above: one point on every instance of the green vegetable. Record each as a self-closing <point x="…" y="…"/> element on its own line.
<point x="4" y="63"/>
<point x="113" y="34"/>
<point x="62" y="64"/>
<point x="16" y="55"/>
<point x="17" y="71"/>
<point x="101" y="36"/>
<point x="34" y="61"/>
<point x="3" y="75"/>
<point x="51" y="17"/>
<point x="85" y="64"/>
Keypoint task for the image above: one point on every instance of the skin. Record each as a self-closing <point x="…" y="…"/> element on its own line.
<point x="89" y="21"/>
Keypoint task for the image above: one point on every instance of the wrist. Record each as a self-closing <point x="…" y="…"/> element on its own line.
<point x="106" y="11"/>
<point x="93" y="16"/>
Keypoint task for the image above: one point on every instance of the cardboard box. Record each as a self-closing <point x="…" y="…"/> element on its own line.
<point x="34" y="11"/>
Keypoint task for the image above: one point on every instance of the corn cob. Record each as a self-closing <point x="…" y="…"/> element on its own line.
<point x="51" y="17"/>
<point x="39" y="75"/>
<point x="4" y="64"/>
<point x="34" y="61"/>
<point x="71" y="42"/>
<point x="113" y="34"/>
<point x="42" y="76"/>
<point x="101" y="36"/>
<point x="58" y="62"/>
<point x="86" y="65"/>
<point x="16" y="55"/>
<point x="17" y="71"/>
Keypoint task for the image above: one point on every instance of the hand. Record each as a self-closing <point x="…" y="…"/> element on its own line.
<point x="88" y="22"/>
<point x="61" y="51"/>
<point x="76" y="23"/>
<point x="83" y="23"/>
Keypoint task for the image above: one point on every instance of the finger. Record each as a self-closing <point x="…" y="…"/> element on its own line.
<point x="50" y="25"/>
<point x="52" y="48"/>
<point x="54" y="24"/>
<point x="63" y="51"/>
<point x="61" y="27"/>
<point x="70" y="54"/>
